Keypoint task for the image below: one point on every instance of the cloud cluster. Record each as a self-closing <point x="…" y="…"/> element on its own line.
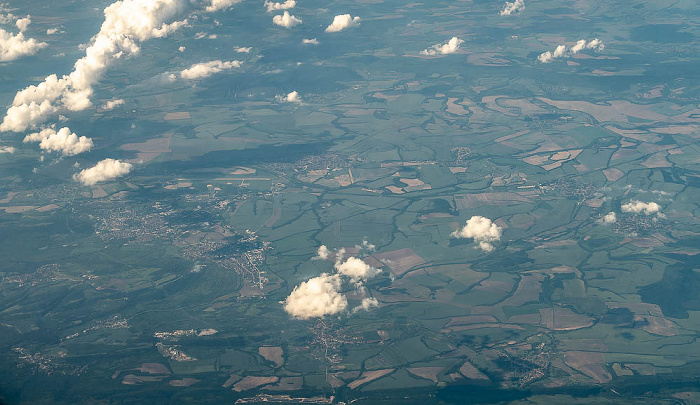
<point x="317" y="297"/>
<point x="321" y="296"/>
<point x="63" y="140"/>
<point x="482" y="230"/>
<point x="104" y="170"/>
<point x="512" y="6"/>
<point x="447" y="48"/>
<point x="217" y="5"/>
<point x="312" y="41"/>
<point x="14" y="46"/>
<point x="286" y="20"/>
<point x="7" y="149"/>
<point x="562" y="51"/>
<point x="126" y="23"/>
<point x="272" y="6"/>
<point x="343" y="21"/>
<point x="206" y="69"/>
<point x="23" y="23"/>
<point x="637" y="207"/>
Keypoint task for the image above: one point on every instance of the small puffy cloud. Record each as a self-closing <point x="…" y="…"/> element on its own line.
<point x="14" y="46"/>
<point x="343" y="21"/>
<point x="323" y="253"/>
<point x="292" y="97"/>
<point x="356" y="269"/>
<point x="482" y="230"/>
<point x="52" y="31"/>
<point x="316" y="298"/>
<point x="23" y="23"/>
<point x="637" y="207"/>
<point x="447" y="48"/>
<point x="216" y="5"/>
<point x="181" y="49"/>
<point x="206" y="69"/>
<point x="242" y="49"/>
<point x="63" y="141"/>
<point x="562" y="51"/>
<point x="512" y="6"/>
<point x="272" y="6"/>
<point x="609" y="218"/>
<point x="366" y="304"/>
<point x="112" y="104"/>
<point x="7" y="149"/>
<point x="312" y="41"/>
<point x="286" y="20"/>
<point x="105" y="170"/>
<point x="366" y="245"/>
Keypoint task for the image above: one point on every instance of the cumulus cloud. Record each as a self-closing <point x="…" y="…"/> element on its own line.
<point x="563" y="51"/>
<point x="482" y="230"/>
<point x="112" y="104"/>
<point x="447" y="48"/>
<point x="126" y="23"/>
<point x="323" y="253"/>
<point x="317" y="297"/>
<point x="312" y="41"/>
<point x="104" y="170"/>
<point x="7" y="149"/>
<point x="242" y="49"/>
<point x="14" y="46"/>
<point x="356" y="269"/>
<point x="292" y="97"/>
<point x="217" y="5"/>
<point x="609" y="218"/>
<point x="343" y="21"/>
<point x="366" y="246"/>
<point x="206" y="69"/>
<point x="286" y="20"/>
<point x="512" y="6"/>
<point x="63" y="141"/>
<point x="23" y="23"/>
<point x="272" y="6"/>
<point x="637" y="207"/>
<point x="366" y="304"/>
<point x="52" y="31"/>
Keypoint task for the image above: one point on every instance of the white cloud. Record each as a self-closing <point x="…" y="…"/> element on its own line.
<point x="105" y="170"/>
<point x="206" y="69"/>
<point x="112" y="104"/>
<point x="356" y="269"/>
<point x="609" y="218"/>
<point x="216" y="5"/>
<point x="636" y="207"/>
<point x="343" y="21"/>
<point x="242" y="49"/>
<point x="286" y="20"/>
<point x="312" y="41"/>
<point x="181" y="49"/>
<point x="323" y="253"/>
<point x="126" y="23"/>
<point x="63" y="141"/>
<point x="7" y="149"/>
<point x="14" y="46"/>
<point x="449" y="47"/>
<point x="512" y="6"/>
<point x="292" y="97"/>
<point x="23" y="23"/>
<point x="562" y="51"/>
<point x="482" y="230"/>
<point x="271" y="6"/>
<point x="367" y="303"/>
<point x="366" y="245"/>
<point x="317" y="297"/>
<point x="52" y="31"/>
